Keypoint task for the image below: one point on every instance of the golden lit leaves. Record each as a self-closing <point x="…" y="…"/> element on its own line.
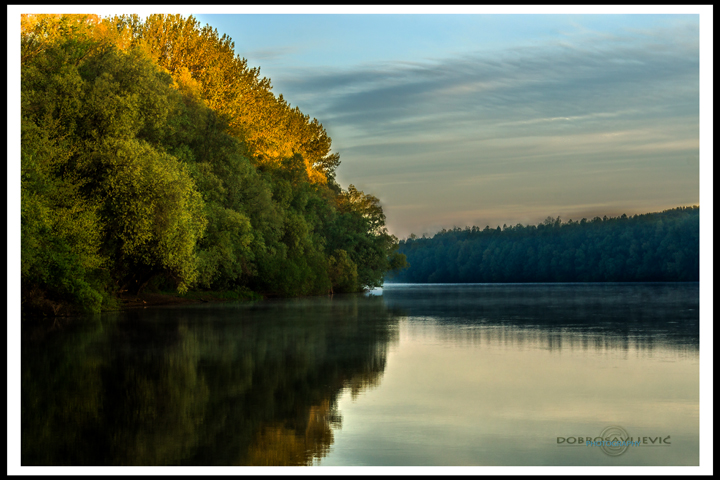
<point x="187" y="84"/>
<point x="39" y="31"/>
<point x="146" y="115"/>
<point x="204" y="63"/>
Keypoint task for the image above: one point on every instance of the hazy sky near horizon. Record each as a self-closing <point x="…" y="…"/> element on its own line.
<point x="455" y="120"/>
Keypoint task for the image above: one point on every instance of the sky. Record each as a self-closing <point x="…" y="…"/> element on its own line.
<point x="467" y="118"/>
<point x="488" y="119"/>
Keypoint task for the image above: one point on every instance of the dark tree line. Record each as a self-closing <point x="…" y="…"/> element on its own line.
<point x="643" y="248"/>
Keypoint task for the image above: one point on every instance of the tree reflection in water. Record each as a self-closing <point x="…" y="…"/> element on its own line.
<point x="217" y="385"/>
<point x="258" y="384"/>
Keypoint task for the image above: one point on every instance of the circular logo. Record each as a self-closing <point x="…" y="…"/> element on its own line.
<point x="612" y="435"/>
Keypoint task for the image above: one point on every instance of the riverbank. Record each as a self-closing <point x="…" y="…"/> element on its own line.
<point x="51" y="310"/>
<point x="153" y="299"/>
<point x="44" y="308"/>
<point x="142" y="300"/>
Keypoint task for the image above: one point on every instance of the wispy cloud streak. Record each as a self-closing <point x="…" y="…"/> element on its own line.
<point x="589" y="102"/>
<point x="645" y="72"/>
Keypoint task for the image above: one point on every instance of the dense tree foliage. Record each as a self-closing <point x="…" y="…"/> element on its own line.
<point x="152" y="155"/>
<point x="642" y="248"/>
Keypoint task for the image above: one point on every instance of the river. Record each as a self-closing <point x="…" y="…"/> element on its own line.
<point x="501" y="374"/>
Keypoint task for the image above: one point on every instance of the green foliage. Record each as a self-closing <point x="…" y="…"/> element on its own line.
<point x="60" y="231"/>
<point x="152" y="155"/>
<point x="227" y="246"/>
<point x="152" y="208"/>
<point x="207" y="64"/>
<point x="107" y="110"/>
<point x="343" y="272"/>
<point x="360" y="231"/>
<point x="643" y="248"/>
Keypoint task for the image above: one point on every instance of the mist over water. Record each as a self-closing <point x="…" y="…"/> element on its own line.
<point x="600" y="315"/>
<point x="407" y="375"/>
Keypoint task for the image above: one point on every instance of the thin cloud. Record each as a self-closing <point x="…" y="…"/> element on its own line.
<point x="593" y="115"/>
<point x="550" y="80"/>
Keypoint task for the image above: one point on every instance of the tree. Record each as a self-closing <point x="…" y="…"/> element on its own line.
<point x="150" y="150"/>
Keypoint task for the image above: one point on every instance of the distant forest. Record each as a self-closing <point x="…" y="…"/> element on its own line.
<point x="642" y="248"/>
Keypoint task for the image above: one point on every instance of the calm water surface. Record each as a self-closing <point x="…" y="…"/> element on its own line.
<point x="407" y="375"/>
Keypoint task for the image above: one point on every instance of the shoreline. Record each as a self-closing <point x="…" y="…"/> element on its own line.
<point x="143" y="300"/>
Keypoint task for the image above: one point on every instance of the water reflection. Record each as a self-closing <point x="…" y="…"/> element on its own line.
<point x="494" y="374"/>
<point x="261" y="384"/>
<point x="557" y="316"/>
<point x="225" y="385"/>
